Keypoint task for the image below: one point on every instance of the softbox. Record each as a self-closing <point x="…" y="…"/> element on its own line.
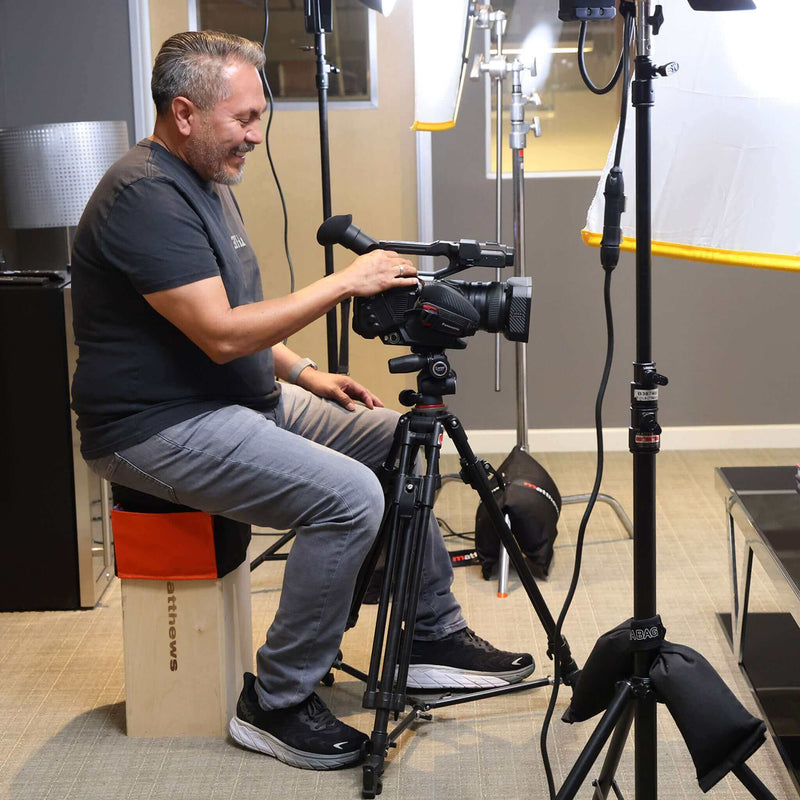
<point x="532" y="503"/>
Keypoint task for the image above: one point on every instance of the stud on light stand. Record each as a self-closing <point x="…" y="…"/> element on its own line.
<point x="721" y="741"/>
<point x="429" y="319"/>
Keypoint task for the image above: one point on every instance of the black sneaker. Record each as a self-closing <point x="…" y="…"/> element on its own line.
<point x="463" y="660"/>
<point x="306" y="735"/>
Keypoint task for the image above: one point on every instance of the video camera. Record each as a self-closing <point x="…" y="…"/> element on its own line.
<point x="437" y="312"/>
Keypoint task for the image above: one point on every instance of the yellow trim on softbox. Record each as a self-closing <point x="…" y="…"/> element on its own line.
<point x="709" y="255"/>
<point x="433" y="126"/>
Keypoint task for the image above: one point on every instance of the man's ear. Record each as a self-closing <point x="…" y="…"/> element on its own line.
<point x="184" y="113"/>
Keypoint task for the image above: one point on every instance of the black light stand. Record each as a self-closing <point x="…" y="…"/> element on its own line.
<point x="635" y="698"/>
<point x="319" y="21"/>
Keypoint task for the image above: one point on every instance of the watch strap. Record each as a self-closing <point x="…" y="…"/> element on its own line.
<point x="298" y="367"/>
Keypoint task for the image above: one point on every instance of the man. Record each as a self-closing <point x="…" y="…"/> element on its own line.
<point x="176" y="395"/>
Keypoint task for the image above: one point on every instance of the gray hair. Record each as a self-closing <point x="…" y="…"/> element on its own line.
<point x="191" y="65"/>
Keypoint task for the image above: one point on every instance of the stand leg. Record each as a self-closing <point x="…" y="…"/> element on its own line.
<point x="739" y="625"/>
<point x="752" y="782"/>
<point x="271" y="553"/>
<point x="475" y="473"/>
<point x="502" y="564"/>
<point x="603" y="498"/>
<point x="605" y="780"/>
<point x="619" y="712"/>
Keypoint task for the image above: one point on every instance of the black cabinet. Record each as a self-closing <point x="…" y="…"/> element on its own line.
<point x="54" y="551"/>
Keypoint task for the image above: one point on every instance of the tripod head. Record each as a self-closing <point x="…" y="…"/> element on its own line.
<point x="434" y="379"/>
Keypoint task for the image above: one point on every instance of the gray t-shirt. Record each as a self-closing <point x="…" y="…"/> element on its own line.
<point x="153" y="224"/>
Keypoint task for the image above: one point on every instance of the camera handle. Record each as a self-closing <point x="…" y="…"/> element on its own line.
<point x="462" y="254"/>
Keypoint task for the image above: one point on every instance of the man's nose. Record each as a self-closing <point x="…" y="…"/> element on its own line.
<point x="254" y="135"/>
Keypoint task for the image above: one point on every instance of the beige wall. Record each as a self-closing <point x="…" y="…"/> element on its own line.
<point x="373" y="177"/>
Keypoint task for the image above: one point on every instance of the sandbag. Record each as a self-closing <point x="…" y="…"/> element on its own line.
<point x="532" y="503"/>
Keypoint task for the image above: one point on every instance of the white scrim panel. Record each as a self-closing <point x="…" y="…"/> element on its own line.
<point x="440" y="29"/>
<point x="725" y="158"/>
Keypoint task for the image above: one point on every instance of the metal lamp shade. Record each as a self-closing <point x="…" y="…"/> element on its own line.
<point x="50" y="171"/>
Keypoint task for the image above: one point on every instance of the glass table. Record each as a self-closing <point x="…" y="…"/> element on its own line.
<point x="762" y="506"/>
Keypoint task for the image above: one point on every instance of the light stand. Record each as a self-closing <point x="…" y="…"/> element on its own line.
<point x="318" y="16"/>
<point x="635" y="698"/>
<point x="319" y="21"/>
<point x="497" y="67"/>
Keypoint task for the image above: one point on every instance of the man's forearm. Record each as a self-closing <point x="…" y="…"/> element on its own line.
<point x="284" y="359"/>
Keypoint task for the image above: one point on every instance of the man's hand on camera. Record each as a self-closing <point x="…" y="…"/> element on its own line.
<point x="342" y="389"/>
<point x="378" y="271"/>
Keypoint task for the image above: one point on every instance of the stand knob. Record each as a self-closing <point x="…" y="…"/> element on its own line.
<point x="408" y="397"/>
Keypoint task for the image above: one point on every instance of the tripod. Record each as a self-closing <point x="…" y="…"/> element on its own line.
<point x="404" y="530"/>
<point x="635" y="697"/>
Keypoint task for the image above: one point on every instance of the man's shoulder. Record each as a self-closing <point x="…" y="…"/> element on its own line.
<point x="141" y="166"/>
<point x="135" y="166"/>
<point x="142" y="180"/>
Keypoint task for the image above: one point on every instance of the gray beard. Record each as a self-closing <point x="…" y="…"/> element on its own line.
<point x="227" y="179"/>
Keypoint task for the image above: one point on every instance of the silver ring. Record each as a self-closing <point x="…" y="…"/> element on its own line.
<point x="402" y="271"/>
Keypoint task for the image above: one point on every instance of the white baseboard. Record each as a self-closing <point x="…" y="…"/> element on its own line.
<point x="572" y="440"/>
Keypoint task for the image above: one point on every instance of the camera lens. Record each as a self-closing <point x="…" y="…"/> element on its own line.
<point x="503" y="307"/>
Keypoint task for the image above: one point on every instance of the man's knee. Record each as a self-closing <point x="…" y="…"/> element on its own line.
<point x="352" y="502"/>
<point x="366" y="499"/>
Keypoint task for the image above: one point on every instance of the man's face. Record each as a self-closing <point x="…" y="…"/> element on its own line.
<point x="222" y="136"/>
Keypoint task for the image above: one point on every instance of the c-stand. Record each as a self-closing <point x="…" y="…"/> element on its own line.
<point x="404" y="530"/>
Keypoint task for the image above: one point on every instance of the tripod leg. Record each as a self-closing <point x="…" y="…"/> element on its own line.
<point x="412" y="502"/>
<point x="618" y="715"/>
<point x="368" y="567"/>
<point x="476" y="474"/>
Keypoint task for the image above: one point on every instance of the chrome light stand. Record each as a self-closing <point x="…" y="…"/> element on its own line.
<point x="496" y="67"/>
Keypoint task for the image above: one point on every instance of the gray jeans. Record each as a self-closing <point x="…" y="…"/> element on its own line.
<point x="307" y="466"/>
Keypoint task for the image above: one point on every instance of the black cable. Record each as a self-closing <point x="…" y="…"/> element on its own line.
<point x="467" y="536"/>
<point x="620" y="64"/>
<point x="626" y="61"/>
<point x="582" y="529"/>
<point x="609" y="262"/>
<point x="614" y="191"/>
<point x="269" y="154"/>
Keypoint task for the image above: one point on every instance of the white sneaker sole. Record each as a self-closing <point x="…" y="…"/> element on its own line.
<point x="435" y="676"/>
<point x="254" y="738"/>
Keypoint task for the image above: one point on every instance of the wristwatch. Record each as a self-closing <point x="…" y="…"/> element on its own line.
<point x="294" y="372"/>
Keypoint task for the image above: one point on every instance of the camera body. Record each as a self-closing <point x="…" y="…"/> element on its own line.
<point x="437" y="312"/>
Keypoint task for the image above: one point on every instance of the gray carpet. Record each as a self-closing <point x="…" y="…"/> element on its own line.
<point x="62" y="688"/>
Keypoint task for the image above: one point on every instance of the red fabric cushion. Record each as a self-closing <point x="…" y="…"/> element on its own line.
<point x="177" y="546"/>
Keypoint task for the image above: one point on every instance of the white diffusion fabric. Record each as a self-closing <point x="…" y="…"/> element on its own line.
<point x="440" y="34"/>
<point x="725" y="155"/>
